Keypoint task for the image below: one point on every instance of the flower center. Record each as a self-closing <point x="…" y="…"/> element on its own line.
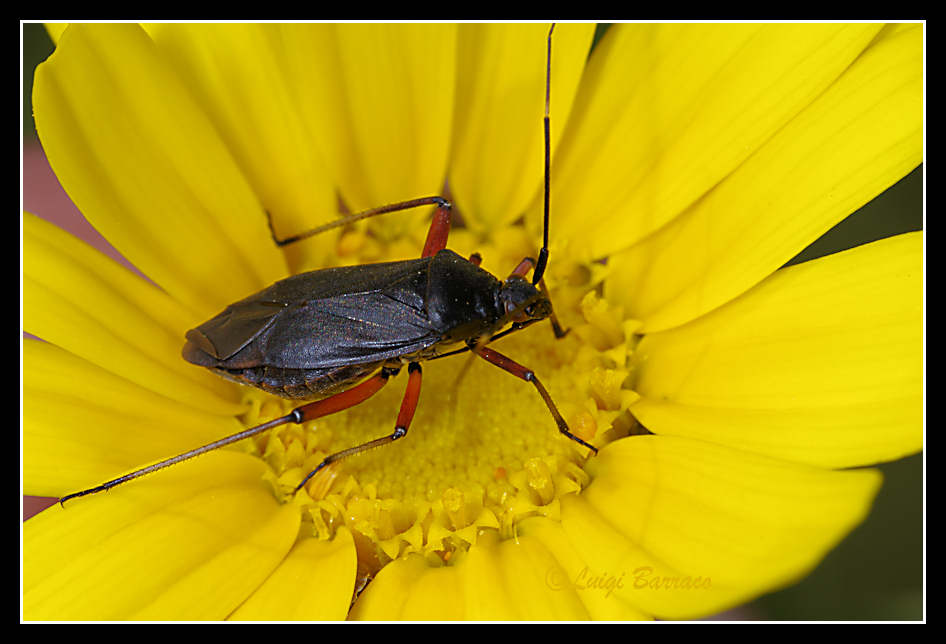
<point x="483" y="450"/>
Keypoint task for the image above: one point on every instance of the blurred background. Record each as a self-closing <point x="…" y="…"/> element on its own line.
<point x="876" y="573"/>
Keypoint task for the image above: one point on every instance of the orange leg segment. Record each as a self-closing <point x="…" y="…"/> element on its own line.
<point x="404" y="418"/>
<point x="302" y="414"/>
<point x="439" y="231"/>
<point x="519" y="371"/>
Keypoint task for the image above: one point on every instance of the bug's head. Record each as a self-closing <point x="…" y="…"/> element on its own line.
<point x="523" y="301"/>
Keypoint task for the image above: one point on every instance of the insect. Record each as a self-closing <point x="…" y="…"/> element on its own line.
<point x="337" y="335"/>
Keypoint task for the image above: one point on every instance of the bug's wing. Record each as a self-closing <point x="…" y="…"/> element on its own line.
<point x="224" y="335"/>
<point x="338" y="316"/>
<point x="345" y="330"/>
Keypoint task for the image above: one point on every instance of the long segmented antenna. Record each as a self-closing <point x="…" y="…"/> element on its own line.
<point x="544" y="251"/>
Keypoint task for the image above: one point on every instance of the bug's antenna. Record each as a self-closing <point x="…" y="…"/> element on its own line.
<point x="544" y="251"/>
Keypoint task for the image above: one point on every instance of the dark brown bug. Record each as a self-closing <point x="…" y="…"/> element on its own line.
<point x="338" y="334"/>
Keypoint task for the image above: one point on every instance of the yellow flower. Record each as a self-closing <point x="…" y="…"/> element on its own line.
<point x="730" y="399"/>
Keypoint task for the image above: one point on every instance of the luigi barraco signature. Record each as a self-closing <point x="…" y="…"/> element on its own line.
<point x="642" y="578"/>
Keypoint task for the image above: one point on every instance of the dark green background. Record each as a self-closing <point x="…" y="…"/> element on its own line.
<point x="877" y="571"/>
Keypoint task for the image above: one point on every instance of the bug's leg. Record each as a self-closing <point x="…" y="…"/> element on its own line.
<point x="441" y="203"/>
<point x="404" y="418"/>
<point x="556" y="327"/>
<point x="439" y="230"/>
<point x="302" y="414"/>
<point x="524" y="266"/>
<point x="516" y="369"/>
<point x="342" y="401"/>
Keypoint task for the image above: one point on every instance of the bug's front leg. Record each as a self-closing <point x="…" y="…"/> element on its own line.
<point x="524" y="267"/>
<point x="508" y="364"/>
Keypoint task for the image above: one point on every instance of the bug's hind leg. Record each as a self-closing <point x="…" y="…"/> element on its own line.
<point x="305" y="413"/>
<point x="404" y="418"/>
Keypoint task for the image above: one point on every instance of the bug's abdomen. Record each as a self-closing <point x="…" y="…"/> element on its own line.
<point x="300" y="384"/>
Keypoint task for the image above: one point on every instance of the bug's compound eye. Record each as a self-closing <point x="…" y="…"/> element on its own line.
<point x="530" y="310"/>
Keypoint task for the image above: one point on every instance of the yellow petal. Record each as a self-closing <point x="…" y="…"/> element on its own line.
<point x="821" y="363"/>
<point x="385" y="112"/>
<point x="644" y="584"/>
<point x="246" y="78"/>
<point x="393" y="594"/>
<point x="694" y="528"/>
<point x="498" y="142"/>
<point x="84" y="302"/>
<point x="83" y="425"/>
<point x="145" y="165"/>
<point x="508" y="580"/>
<point x="595" y="588"/>
<point x="495" y="580"/>
<point x="191" y="542"/>
<point x="55" y="29"/>
<point x="314" y="582"/>
<point x="856" y="139"/>
<point x="666" y="111"/>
